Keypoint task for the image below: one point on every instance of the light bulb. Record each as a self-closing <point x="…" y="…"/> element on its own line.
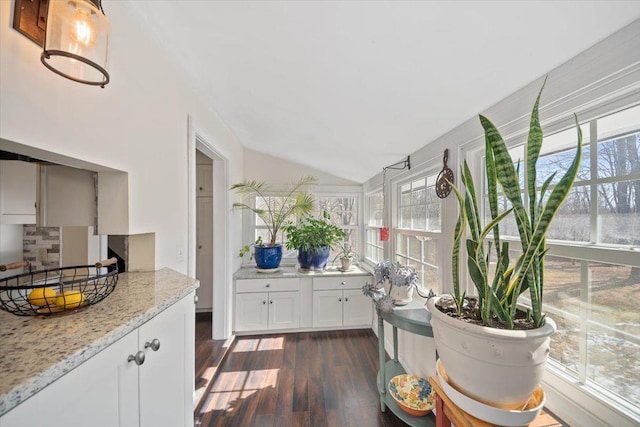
<point x="82" y="29"/>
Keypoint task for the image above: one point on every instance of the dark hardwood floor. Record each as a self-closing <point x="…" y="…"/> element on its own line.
<point x="301" y="379"/>
<point x="311" y="379"/>
<point x="209" y="354"/>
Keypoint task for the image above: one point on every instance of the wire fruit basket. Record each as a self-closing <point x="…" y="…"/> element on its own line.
<point x="56" y="290"/>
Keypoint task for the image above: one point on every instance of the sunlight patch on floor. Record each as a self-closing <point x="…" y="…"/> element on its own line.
<point x="258" y="344"/>
<point x="230" y="387"/>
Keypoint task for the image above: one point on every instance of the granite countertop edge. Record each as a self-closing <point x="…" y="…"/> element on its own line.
<point x="248" y="272"/>
<point x="39" y="381"/>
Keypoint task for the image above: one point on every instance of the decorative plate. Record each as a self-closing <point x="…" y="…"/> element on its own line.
<point x="412" y="393"/>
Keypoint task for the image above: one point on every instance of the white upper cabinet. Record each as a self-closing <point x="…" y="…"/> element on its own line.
<point x="18" y="192"/>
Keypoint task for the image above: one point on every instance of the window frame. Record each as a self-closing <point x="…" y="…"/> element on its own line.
<point x="368" y="227"/>
<point x="427" y="169"/>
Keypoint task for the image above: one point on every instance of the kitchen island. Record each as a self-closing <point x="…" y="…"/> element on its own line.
<point x="35" y="352"/>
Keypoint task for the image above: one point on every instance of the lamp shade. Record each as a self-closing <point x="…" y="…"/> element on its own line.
<point x="76" y="43"/>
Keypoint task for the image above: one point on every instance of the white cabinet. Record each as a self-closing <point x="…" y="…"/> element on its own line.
<point x="18" y="192"/>
<point x="111" y="390"/>
<point x="102" y="392"/>
<point x="267" y="304"/>
<point x="167" y="374"/>
<point x="339" y="301"/>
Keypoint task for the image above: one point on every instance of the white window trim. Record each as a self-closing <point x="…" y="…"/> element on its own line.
<point x="366" y="227"/>
<point x="429" y="167"/>
<point x="289" y="257"/>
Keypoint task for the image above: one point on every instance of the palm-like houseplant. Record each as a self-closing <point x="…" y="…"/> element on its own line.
<point x="274" y="207"/>
<point x="500" y="283"/>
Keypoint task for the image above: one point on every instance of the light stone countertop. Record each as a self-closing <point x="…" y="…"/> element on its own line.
<point x="293" y="271"/>
<point x="36" y="351"/>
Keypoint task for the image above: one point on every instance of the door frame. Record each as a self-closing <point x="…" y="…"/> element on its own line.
<point x="221" y="304"/>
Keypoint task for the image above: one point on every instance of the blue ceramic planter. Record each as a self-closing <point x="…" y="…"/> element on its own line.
<point x="314" y="260"/>
<point x="268" y="257"/>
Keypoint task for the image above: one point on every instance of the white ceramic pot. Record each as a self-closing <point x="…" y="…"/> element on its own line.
<point x="346" y="263"/>
<point x="499" y="367"/>
<point x="402" y="295"/>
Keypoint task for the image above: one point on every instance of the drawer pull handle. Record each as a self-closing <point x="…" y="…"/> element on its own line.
<point x="346" y="300"/>
<point x="264" y="302"/>
<point x="138" y="358"/>
<point x="340" y="299"/>
<point x="343" y="283"/>
<point x="271" y="302"/>
<point x="268" y="285"/>
<point x="154" y="344"/>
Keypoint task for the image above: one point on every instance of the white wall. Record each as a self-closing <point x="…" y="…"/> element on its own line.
<point x="263" y="167"/>
<point x="137" y="124"/>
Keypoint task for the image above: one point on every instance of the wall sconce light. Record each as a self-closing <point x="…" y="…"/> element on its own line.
<point x="74" y="35"/>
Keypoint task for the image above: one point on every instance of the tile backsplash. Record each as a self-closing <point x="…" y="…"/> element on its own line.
<point x="41" y="246"/>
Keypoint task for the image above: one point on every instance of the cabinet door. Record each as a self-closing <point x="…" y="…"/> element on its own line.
<point x="204" y="254"/>
<point x="18" y="192"/>
<point x="357" y="308"/>
<point x="101" y="392"/>
<point x="163" y="380"/>
<point x="327" y="308"/>
<point x="284" y="310"/>
<point x="205" y="180"/>
<point x="252" y="311"/>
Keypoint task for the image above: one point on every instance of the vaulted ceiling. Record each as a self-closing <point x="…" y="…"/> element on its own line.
<point x="348" y="87"/>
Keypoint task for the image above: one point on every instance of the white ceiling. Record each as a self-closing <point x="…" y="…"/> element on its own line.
<point x="350" y="87"/>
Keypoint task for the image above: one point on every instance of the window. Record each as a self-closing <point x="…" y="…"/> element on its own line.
<point x="418" y="234"/>
<point x="592" y="270"/>
<point x="261" y="230"/>
<point x="374" y="250"/>
<point x="343" y="210"/>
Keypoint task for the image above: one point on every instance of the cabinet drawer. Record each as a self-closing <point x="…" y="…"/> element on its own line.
<point x="328" y="283"/>
<point x="267" y="285"/>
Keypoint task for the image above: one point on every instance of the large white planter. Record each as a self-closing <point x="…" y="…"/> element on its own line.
<point x="496" y="366"/>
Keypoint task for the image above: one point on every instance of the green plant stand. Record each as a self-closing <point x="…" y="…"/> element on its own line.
<point x="414" y="318"/>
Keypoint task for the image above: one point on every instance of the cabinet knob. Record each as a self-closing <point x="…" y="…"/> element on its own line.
<point x="154" y="344"/>
<point x="264" y="302"/>
<point x="271" y="302"/>
<point x="346" y="300"/>
<point x="340" y="299"/>
<point x="268" y="285"/>
<point x="138" y="358"/>
<point x="343" y="283"/>
<point x="200" y="188"/>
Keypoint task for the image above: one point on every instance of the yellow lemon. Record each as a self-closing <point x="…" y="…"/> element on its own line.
<point x="70" y="299"/>
<point x="42" y="296"/>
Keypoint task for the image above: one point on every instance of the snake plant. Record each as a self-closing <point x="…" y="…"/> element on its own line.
<point x="500" y="283"/>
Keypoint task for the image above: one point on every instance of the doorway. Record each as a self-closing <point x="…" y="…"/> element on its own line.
<point x="220" y="297"/>
<point x="204" y="232"/>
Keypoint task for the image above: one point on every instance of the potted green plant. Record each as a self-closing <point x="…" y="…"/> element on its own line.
<point x="273" y="208"/>
<point x="346" y="256"/>
<point x="491" y="348"/>
<point x="314" y="238"/>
